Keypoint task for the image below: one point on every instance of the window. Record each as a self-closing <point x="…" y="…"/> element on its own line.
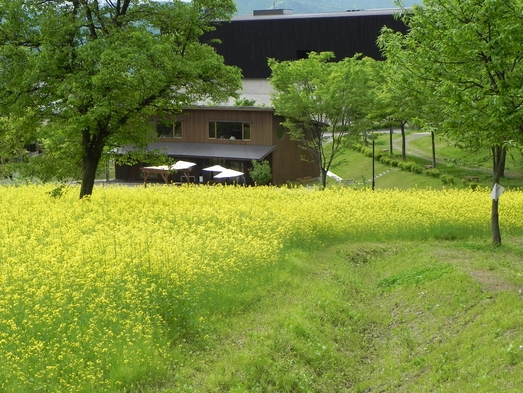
<point x="229" y="130"/>
<point x="280" y="132"/>
<point x="178" y="133"/>
<point x="167" y="129"/>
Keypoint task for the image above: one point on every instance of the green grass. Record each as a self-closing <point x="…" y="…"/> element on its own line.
<point x="367" y="317"/>
<point x="477" y="158"/>
<point x="451" y="161"/>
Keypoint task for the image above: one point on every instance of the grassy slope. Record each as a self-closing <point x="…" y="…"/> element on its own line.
<point x="398" y="317"/>
<point x="450" y="160"/>
<point x="407" y="317"/>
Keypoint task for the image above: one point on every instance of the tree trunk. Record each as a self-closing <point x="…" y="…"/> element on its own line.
<point x="93" y="147"/>
<point x="373" y="166"/>
<point x="502" y="164"/>
<point x="499" y="154"/>
<point x="403" y="142"/>
<point x="496" y="233"/>
<point x="391" y="133"/>
<point x="324" y="177"/>
<point x="499" y="158"/>
<point x="433" y="150"/>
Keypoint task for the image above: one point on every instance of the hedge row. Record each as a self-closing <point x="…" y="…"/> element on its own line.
<point x="410" y="166"/>
<point x="386" y="159"/>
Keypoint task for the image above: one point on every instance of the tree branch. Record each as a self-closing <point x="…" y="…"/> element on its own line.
<point x="90" y="22"/>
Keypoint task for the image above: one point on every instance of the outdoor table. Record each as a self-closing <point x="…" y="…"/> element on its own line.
<point x="163" y="170"/>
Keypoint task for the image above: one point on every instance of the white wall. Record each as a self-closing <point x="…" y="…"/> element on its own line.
<point x="258" y="90"/>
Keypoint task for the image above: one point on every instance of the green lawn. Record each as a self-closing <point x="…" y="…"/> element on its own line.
<point x="450" y="161"/>
<point x="366" y="317"/>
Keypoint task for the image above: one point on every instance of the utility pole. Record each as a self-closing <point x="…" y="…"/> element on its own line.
<point x="373" y="177"/>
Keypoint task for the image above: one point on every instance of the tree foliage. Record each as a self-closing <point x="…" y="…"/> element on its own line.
<point x="83" y="76"/>
<point x="260" y="172"/>
<point x="465" y="55"/>
<point x="322" y="100"/>
<point x="396" y="99"/>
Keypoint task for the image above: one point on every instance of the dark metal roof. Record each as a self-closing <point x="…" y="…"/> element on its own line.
<point x="230" y="108"/>
<point x="231" y="151"/>
<point x="349" y="13"/>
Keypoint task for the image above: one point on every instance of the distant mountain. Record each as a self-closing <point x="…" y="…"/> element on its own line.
<point x="245" y="7"/>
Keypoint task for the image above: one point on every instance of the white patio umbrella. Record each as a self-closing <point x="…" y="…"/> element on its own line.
<point x="228" y="173"/>
<point x="215" y="168"/>
<point x="181" y="165"/>
<point x="165" y="170"/>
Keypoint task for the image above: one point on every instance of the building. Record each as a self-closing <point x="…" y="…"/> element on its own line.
<point x="203" y="134"/>
<point x="247" y="41"/>
<point x="228" y="136"/>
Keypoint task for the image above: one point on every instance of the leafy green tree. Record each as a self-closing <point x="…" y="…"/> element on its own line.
<point x="396" y="100"/>
<point x="322" y="101"/>
<point x="466" y="56"/>
<point x="260" y="172"/>
<point x="84" y="76"/>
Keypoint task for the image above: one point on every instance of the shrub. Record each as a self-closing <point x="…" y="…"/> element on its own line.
<point x="447" y="179"/>
<point x="260" y="172"/>
<point x="472" y="185"/>
<point x="394" y="163"/>
<point x="406" y="165"/>
<point x="357" y="147"/>
<point x="432" y="172"/>
<point x="416" y="169"/>
<point x="386" y="160"/>
<point x="410" y="166"/>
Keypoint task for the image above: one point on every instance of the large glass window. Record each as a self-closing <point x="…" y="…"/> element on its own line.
<point x="167" y="129"/>
<point x="229" y="130"/>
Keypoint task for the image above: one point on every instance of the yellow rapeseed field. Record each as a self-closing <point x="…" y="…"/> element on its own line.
<point x="93" y="291"/>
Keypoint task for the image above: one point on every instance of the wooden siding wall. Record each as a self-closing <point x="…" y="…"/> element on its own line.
<point x="287" y="163"/>
<point x="196" y="125"/>
<point x="248" y="43"/>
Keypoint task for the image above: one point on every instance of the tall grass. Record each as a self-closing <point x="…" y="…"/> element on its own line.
<point x="95" y="293"/>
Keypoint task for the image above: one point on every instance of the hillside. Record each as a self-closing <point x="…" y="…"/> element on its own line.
<point x="312" y="6"/>
<point x="451" y="161"/>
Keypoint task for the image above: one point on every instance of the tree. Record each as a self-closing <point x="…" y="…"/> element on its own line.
<point x="83" y="76"/>
<point x="260" y="172"/>
<point x="395" y="101"/>
<point x="466" y="56"/>
<point x="322" y="101"/>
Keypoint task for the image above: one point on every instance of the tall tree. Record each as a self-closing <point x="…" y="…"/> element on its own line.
<point x="466" y="55"/>
<point x="322" y="101"/>
<point x="396" y="100"/>
<point x="85" y="75"/>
